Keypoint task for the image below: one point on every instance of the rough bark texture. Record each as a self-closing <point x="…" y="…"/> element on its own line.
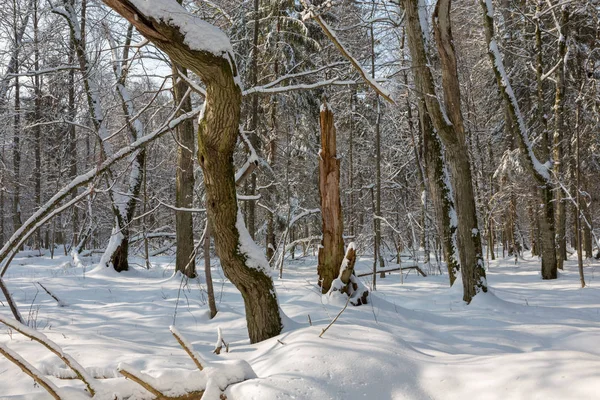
<point x="441" y="193"/>
<point x="217" y="135"/>
<point x="331" y="252"/>
<point x="184" y="195"/>
<point x="451" y="131"/>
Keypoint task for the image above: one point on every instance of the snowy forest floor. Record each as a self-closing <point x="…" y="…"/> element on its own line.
<point x="526" y="339"/>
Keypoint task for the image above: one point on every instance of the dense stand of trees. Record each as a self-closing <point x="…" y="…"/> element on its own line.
<point x="463" y="132"/>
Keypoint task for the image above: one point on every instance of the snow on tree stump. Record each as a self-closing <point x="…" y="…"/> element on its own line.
<point x="347" y="282"/>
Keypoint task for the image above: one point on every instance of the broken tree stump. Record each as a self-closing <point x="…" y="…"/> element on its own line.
<point x="347" y="282"/>
<point x="331" y="251"/>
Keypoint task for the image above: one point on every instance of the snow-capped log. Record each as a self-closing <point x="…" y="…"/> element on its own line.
<point x="187" y="346"/>
<point x="205" y="50"/>
<point x="347" y="282"/>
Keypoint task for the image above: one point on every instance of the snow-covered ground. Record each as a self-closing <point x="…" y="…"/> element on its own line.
<point x="527" y="339"/>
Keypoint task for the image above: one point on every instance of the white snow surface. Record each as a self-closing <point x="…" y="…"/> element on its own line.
<point x="526" y="339"/>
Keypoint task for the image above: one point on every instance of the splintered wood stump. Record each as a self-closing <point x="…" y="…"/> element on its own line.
<point x="350" y="285"/>
<point x="350" y="260"/>
<point x="331" y="252"/>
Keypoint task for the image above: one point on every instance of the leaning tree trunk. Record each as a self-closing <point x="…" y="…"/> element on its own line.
<point x="331" y="252"/>
<point x="116" y="253"/>
<point x="243" y="264"/>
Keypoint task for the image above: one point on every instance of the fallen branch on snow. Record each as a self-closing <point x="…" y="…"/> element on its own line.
<point x="216" y="379"/>
<point x="416" y="268"/>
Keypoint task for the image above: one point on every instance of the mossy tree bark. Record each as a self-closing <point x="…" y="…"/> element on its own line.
<point x="450" y="129"/>
<point x="217" y="135"/>
<point x="441" y="192"/>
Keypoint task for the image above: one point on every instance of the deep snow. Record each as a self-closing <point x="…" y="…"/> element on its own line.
<point x="527" y="339"/>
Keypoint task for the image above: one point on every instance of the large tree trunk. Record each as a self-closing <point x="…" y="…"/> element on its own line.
<point x="331" y="252"/>
<point x="217" y="134"/>
<point x="185" y="261"/>
<point x="250" y="276"/>
<point x="441" y="193"/>
<point x="451" y="131"/>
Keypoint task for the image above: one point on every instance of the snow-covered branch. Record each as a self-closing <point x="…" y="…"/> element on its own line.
<point x="30" y="370"/>
<point x="301" y="86"/>
<point x="342" y="49"/>
<point x="271" y="85"/>
<point x="540" y="171"/>
<point x="42" y="339"/>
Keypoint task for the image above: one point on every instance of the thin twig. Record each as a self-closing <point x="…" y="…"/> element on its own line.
<point x="182" y="342"/>
<point x="336" y="317"/>
<point x="59" y="301"/>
